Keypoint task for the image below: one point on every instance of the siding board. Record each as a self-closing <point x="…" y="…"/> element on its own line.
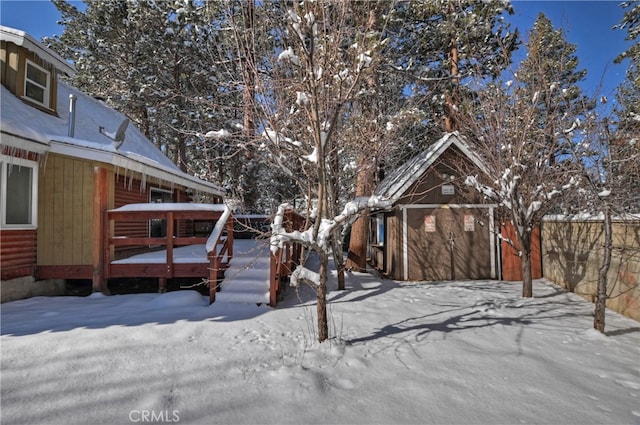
<point x="65" y="212"/>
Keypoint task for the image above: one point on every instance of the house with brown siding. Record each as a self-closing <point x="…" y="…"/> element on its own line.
<point x="436" y="228"/>
<point x="65" y="159"/>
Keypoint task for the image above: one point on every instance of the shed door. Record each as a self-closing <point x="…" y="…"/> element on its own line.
<point x="450" y="243"/>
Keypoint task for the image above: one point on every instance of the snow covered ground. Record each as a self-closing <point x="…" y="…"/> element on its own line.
<point x="445" y="353"/>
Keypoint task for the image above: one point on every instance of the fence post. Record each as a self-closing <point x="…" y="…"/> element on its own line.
<point x="274" y="276"/>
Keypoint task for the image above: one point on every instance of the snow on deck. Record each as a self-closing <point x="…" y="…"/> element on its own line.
<point x="183" y="255"/>
<point x="247" y="278"/>
<point x="171" y="206"/>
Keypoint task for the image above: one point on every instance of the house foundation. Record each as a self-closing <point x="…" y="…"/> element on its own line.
<point x="27" y="287"/>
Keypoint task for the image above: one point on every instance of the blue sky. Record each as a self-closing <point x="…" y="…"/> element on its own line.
<point x="587" y="24"/>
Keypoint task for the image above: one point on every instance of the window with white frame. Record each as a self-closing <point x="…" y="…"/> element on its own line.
<point x="37" y="82"/>
<point x="18" y="193"/>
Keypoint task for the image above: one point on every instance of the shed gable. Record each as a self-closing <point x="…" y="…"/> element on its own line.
<point x="433" y="176"/>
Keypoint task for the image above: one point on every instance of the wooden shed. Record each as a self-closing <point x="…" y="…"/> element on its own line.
<point x="66" y="158"/>
<point x="436" y="229"/>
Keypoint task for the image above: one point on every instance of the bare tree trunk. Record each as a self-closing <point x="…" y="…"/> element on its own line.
<point x="321" y="299"/>
<point x="357" y="257"/>
<point x="525" y="259"/>
<point x="527" y="281"/>
<point x="338" y="259"/>
<point x="248" y="69"/>
<point x="524" y="240"/>
<point x="601" y="300"/>
<point x="452" y="96"/>
<point x="181" y="153"/>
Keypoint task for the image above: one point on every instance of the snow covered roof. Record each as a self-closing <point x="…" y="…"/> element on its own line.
<point x="21" y="38"/>
<point x="23" y="126"/>
<point x="398" y="182"/>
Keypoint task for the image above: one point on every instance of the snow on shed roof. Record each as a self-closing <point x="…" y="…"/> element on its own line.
<point x="397" y="183"/>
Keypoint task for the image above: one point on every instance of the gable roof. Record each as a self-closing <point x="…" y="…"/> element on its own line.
<point x="394" y="186"/>
<point x="21" y="38"/>
<point x="23" y="126"/>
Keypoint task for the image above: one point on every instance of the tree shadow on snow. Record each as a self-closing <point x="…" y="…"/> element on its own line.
<point x="59" y="314"/>
<point x="485" y="314"/>
<point x="358" y="287"/>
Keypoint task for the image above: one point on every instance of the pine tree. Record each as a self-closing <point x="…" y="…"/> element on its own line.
<point x="550" y="73"/>
<point x="433" y="46"/>
<point x="146" y="60"/>
<point x="441" y="43"/>
<point x="626" y="144"/>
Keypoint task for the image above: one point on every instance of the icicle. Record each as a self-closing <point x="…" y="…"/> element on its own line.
<point x="143" y="182"/>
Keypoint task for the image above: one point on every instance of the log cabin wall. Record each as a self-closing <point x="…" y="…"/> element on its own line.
<point x="18" y="247"/>
<point x="17" y="253"/>
<point x="130" y="191"/>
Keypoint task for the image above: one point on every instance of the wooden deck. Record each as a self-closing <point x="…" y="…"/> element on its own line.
<point x="183" y="253"/>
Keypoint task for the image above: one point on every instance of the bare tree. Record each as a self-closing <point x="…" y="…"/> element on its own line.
<point x="525" y="129"/>
<point x="610" y="158"/>
<point x="523" y="177"/>
<point x="300" y="104"/>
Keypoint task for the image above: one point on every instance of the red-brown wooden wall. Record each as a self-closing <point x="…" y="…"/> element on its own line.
<point x="17" y="253"/>
<point x="130" y="192"/>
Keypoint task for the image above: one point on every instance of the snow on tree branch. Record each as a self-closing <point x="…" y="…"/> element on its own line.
<point x="303" y="274"/>
<point x="320" y="241"/>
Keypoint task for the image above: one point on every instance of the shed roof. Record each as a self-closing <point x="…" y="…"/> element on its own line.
<point x="394" y="186"/>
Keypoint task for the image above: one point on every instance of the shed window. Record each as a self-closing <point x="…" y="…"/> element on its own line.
<point x="18" y="194"/>
<point x="37" y="84"/>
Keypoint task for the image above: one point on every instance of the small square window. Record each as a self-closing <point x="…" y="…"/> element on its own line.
<point x="37" y="84"/>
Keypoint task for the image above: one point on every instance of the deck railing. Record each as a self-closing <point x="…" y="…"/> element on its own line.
<point x="216" y="252"/>
<point x="284" y="261"/>
<point x="219" y="258"/>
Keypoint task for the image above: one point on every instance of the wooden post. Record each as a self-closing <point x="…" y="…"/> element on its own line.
<point x="213" y="275"/>
<point x="100" y="228"/>
<point x="169" y="241"/>
<point x="274" y="276"/>
<point x="288" y="261"/>
<point x="230" y="237"/>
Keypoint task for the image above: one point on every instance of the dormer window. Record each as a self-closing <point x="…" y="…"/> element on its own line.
<point x="37" y="84"/>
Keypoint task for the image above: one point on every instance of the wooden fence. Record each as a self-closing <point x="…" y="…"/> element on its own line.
<point x="572" y="253"/>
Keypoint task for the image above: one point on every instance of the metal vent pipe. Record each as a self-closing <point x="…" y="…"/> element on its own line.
<point x="72" y="115"/>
